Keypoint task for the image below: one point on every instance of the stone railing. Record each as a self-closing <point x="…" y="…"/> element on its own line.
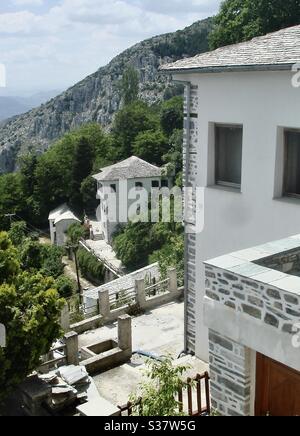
<point x="140" y="298"/>
<point x="65" y="353"/>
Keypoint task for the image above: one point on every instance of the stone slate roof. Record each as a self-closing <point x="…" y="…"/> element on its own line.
<point x="132" y="168"/>
<point x="62" y="213"/>
<point x="275" y="51"/>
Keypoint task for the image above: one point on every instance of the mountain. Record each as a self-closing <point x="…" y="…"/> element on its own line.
<point x="11" y="106"/>
<point x="97" y="98"/>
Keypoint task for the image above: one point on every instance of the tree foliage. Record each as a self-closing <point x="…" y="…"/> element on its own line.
<point x="65" y="286"/>
<point x="90" y="267"/>
<point x="29" y="309"/>
<point x="240" y="20"/>
<point x="171" y="117"/>
<point x="151" y="146"/>
<point x="130" y="85"/>
<point x="159" y="391"/>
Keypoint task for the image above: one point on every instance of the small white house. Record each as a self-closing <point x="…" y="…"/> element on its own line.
<point x="123" y="181"/>
<point x="60" y="219"/>
<point x="242" y="146"/>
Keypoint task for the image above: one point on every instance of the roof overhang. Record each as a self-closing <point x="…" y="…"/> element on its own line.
<point x="228" y="69"/>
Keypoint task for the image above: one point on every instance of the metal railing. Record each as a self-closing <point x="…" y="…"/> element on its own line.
<point x="193" y="399"/>
<point x="159" y="288"/>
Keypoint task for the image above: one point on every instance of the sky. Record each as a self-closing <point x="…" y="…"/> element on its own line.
<point x="52" y="44"/>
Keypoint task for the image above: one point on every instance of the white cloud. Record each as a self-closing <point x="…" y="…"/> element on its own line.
<point x="69" y="39"/>
<point x="28" y="2"/>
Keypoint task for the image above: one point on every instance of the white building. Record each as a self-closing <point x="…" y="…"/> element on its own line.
<point x="242" y="144"/>
<point x="60" y="219"/>
<point x="124" y="180"/>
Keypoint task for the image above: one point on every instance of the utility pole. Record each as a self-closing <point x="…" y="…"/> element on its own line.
<point x="10" y="216"/>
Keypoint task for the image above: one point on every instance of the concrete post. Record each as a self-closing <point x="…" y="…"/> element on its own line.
<point x="104" y="304"/>
<point x="71" y="341"/>
<point x="65" y="319"/>
<point x="125" y="333"/>
<point x="140" y="292"/>
<point x="173" y="284"/>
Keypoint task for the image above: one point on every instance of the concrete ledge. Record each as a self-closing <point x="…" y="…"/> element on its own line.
<point x="88" y="324"/>
<point x="107" y="360"/>
<point x="251" y="333"/>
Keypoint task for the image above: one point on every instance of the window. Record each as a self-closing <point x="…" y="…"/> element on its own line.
<point x="139" y="185"/>
<point x="113" y="188"/>
<point x="155" y="184"/>
<point x="164" y="183"/>
<point x="292" y="163"/>
<point x="228" y="151"/>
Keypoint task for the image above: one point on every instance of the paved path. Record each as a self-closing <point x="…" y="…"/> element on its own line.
<point x="159" y="331"/>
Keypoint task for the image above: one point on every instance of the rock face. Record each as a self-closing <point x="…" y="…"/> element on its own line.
<point x="97" y="98"/>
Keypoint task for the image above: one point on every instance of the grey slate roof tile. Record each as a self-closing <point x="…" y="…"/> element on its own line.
<point x="278" y="50"/>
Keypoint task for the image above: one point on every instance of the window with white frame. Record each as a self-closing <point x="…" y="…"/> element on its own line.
<point x="228" y="155"/>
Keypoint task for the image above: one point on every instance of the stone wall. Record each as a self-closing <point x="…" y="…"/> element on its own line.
<point x="230" y="374"/>
<point x="287" y="262"/>
<point x="252" y="303"/>
<point x="272" y="306"/>
<point x="189" y="178"/>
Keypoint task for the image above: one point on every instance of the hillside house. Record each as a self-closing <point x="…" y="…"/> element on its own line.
<point x="60" y="219"/>
<point x="242" y="145"/>
<point x="130" y="175"/>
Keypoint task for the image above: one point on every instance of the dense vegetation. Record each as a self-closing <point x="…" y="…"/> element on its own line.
<point x="240" y="20"/>
<point x="90" y="267"/>
<point x="43" y="259"/>
<point x="29" y="309"/>
<point x="63" y="174"/>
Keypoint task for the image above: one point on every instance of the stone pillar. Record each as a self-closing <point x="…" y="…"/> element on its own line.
<point x="173" y="284"/>
<point x="140" y="292"/>
<point x="71" y="341"/>
<point x="230" y="373"/>
<point x="65" y="319"/>
<point x="104" y="304"/>
<point x="125" y="333"/>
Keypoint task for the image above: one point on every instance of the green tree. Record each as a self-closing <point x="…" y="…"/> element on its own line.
<point x="65" y="286"/>
<point x="29" y="309"/>
<point x="9" y="264"/>
<point x="76" y="232"/>
<point x="90" y="267"/>
<point x="174" y="156"/>
<point x="31" y="255"/>
<point x="82" y="168"/>
<point x="170" y="255"/>
<point x="159" y="391"/>
<point x="240" y="20"/>
<point x="151" y="146"/>
<point x="51" y="260"/>
<point x="130" y="85"/>
<point x="129" y="122"/>
<point x="88" y="191"/>
<point x="137" y="241"/>
<point x="18" y="232"/>
<point x="171" y="117"/>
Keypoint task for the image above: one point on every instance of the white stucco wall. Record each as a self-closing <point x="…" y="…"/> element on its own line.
<point x="110" y="227"/>
<point x="264" y="103"/>
<point x="61" y="231"/>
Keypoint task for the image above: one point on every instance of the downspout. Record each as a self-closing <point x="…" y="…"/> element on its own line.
<point x="186" y="185"/>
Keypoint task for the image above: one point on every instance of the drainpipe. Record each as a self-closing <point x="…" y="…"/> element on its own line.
<point x="186" y="185"/>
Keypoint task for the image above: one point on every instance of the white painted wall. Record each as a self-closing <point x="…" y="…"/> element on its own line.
<point x="264" y="103"/>
<point x="110" y="227"/>
<point x="61" y="229"/>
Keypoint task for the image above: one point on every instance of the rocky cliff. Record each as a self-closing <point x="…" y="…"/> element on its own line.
<point x="97" y="98"/>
